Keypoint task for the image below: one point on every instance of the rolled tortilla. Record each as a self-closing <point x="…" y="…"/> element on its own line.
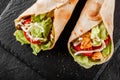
<point x="62" y="12"/>
<point x="93" y="14"/>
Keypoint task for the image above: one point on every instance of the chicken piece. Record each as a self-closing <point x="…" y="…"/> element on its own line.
<point x="97" y="56"/>
<point x="86" y="42"/>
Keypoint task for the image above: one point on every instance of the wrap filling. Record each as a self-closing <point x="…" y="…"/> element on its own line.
<point x="36" y="31"/>
<point x="94" y="46"/>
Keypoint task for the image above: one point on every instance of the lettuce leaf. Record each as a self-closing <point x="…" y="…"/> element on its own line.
<point x="103" y="32"/>
<point x="41" y="27"/>
<point x="38" y="18"/>
<point x="36" y="48"/>
<point x="95" y="32"/>
<point x="46" y="46"/>
<point x="85" y="61"/>
<point x="20" y="37"/>
<point x="98" y="32"/>
<point x="107" y="50"/>
<point x="47" y="25"/>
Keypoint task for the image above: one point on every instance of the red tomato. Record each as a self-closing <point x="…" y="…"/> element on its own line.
<point x="88" y="54"/>
<point x="30" y="40"/>
<point x="96" y="47"/>
<point x="27" y="21"/>
<point x="107" y="41"/>
<point x="77" y="48"/>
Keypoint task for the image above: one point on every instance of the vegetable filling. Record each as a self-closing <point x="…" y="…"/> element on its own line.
<point x="95" y="44"/>
<point x="36" y="31"/>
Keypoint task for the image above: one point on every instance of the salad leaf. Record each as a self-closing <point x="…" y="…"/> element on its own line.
<point x="107" y="50"/>
<point x="103" y="32"/>
<point x="47" y="25"/>
<point x="96" y="43"/>
<point x="85" y="61"/>
<point x="41" y="28"/>
<point x="95" y="32"/>
<point x="46" y="46"/>
<point x="36" y="31"/>
<point x="38" y="18"/>
<point x="20" y="37"/>
<point x="36" y="48"/>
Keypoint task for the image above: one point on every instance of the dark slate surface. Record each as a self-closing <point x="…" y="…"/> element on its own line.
<point x="112" y="70"/>
<point x="12" y="69"/>
<point x="55" y="64"/>
<point x="3" y="4"/>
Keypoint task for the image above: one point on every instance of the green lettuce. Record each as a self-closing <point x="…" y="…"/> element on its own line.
<point x="20" y="37"/>
<point x="47" y="25"/>
<point x="98" y="32"/>
<point x="36" y="48"/>
<point x="103" y="32"/>
<point x="95" y="32"/>
<point x="44" y="26"/>
<point x="46" y="46"/>
<point x="107" y="50"/>
<point x="85" y="61"/>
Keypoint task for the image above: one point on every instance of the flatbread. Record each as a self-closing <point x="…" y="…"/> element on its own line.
<point x="89" y="18"/>
<point x="62" y="12"/>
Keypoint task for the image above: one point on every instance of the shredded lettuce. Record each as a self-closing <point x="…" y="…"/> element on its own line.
<point x="42" y="30"/>
<point x="103" y="32"/>
<point x="84" y="61"/>
<point x="38" y="18"/>
<point x="20" y="37"/>
<point x="97" y="33"/>
<point x="36" y="31"/>
<point x="107" y="50"/>
<point x="47" y="25"/>
<point x="46" y="46"/>
<point x="36" y="48"/>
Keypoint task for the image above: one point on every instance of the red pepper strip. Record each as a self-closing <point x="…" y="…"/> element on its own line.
<point x="30" y="40"/>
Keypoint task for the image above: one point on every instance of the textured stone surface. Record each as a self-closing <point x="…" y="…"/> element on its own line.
<point x="3" y="4"/>
<point x="112" y="70"/>
<point x="55" y="64"/>
<point x="13" y="69"/>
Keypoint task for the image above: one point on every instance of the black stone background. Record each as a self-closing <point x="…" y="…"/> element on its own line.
<point x="18" y="63"/>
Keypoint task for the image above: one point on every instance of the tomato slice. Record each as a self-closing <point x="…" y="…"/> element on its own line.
<point x="77" y="48"/>
<point x="27" y="21"/>
<point x="88" y="54"/>
<point x="30" y="40"/>
<point x="107" y="41"/>
<point x="96" y="47"/>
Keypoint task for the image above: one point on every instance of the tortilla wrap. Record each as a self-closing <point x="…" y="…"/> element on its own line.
<point x="62" y="12"/>
<point x="86" y="23"/>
